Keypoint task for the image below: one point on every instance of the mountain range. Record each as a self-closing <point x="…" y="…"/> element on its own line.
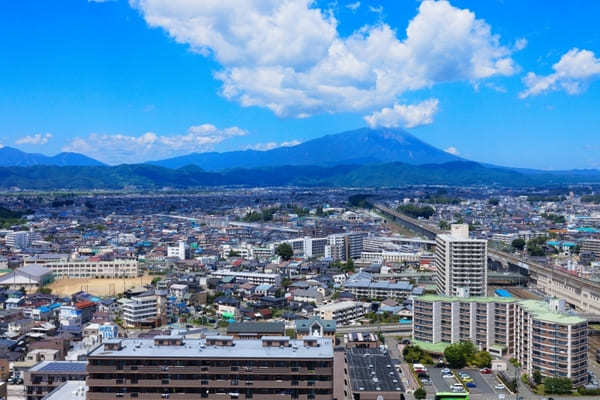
<point x="11" y="157"/>
<point x="359" y="158"/>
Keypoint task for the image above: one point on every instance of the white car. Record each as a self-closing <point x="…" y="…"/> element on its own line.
<point x="499" y="387"/>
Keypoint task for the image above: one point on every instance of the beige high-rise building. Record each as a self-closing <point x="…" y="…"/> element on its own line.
<point x="461" y="263"/>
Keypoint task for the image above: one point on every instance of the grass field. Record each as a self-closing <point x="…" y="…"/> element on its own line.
<point x="97" y="287"/>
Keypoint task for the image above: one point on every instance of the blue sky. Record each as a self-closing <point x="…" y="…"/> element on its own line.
<point x="506" y="82"/>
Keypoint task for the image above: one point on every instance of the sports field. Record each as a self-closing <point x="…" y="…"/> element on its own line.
<point x="97" y="287"/>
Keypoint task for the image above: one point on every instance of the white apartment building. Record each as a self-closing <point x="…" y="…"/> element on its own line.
<point x="177" y="251"/>
<point x="461" y="263"/>
<point x="140" y="311"/>
<point x="369" y="257"/>
<point x="343" y="312"/>
<point x="257" y="278"/>
<point x="21" y="239"/>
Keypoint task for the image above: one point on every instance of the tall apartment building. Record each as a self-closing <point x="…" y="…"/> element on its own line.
<point x="461" y="263"/>
<point x="534" y="332"/>
<point x="218" y="367"/>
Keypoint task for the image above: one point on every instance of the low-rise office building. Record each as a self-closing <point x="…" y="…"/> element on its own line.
<point x="91" y="268"/>
<point x="217" y="367"/>
<point x="534" y="332"/>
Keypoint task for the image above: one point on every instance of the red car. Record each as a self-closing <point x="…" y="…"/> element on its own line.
<point x="485" y="371"/>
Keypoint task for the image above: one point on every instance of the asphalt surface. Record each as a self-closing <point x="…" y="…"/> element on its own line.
<point x="483" y="387"/>
<point x="440" y="384"/>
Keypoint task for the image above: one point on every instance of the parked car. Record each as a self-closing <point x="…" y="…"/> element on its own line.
<point x="446" y="371"/>
<point x="499" y="386"/>
<point x="471" y="385"/>
<point x="447" y="376"/>
<point x="485" y="370"/>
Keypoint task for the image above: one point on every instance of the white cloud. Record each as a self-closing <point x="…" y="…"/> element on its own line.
<point x="407" y="116"/>
<point x="287" y="55"/>
<point x="353" y="6"/>
<point x="376" y="9"/>
<point x="452" y="150"/>
<point x="36" y="139"/>
<point x="272" y="145"/>
<point x="520" y="44"/>
<point x="572" y="73"/>
<point x="118" y="148"/>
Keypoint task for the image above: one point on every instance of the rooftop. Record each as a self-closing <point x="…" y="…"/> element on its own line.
<point x="372" y="370"/>
<point x="75" y="367"/>
<point x="256" y="327"/>
<point x="198" y="348"/>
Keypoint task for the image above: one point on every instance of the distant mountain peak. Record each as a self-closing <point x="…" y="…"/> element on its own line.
<point x="360" y="146"/>
<point x="11" y="157"/>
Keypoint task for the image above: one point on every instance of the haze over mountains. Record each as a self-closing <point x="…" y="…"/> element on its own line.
<point x="360" y="158"/>
<point x="11" y="157"/>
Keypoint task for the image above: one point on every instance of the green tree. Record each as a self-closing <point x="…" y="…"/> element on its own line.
<point x="537" y="376"/>
<point x="482" y="359"/>
<point x="420" y="393"/>
<point x="459" y="354"/>
<point x="518" y="244"/>
<point x="444" y="225"/>
<point x="285" y="251"/>
<point x="558" y="385"/>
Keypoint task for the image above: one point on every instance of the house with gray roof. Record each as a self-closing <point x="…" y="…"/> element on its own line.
<point x="315" y="326"/>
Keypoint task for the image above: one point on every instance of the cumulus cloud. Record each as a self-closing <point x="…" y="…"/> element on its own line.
<point x="572" y="73"/>
<point x="452" y="150"/>
<point x="520" y="44"/>
<point x="118" y="148"/>
<point x="272" y="145"/>
<point x="287" y="55"/>
<point x="353" y="6"/>
<point x="406" y="116"/>
<point x="36" y="139"/>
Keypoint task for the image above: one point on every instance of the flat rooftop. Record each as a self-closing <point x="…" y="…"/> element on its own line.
<point x="62" y="367"/>
<point x="70" y="390"/>
<point x="198" y="348"/>
<point x="372" y="370"/>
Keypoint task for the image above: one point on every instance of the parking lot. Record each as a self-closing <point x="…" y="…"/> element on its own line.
<point x="484" y="389"/>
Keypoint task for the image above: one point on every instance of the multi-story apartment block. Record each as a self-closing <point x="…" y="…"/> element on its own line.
<point x="343" y="312"/>
<point x="142" y="311"/>
<point x="461" y="263"/>
<point x="592" y="246"/>
<point x="218" y="367"/>
<point x="257" y="278"/>
<point x="531" y="331"/>
<point x="44" y="377"/>
<point x="371" y="289"/>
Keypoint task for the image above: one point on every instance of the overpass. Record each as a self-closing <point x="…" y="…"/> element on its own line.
<point x="583" y="294"/>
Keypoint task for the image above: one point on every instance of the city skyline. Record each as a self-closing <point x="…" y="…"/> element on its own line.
<point x="144" y="80"/>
